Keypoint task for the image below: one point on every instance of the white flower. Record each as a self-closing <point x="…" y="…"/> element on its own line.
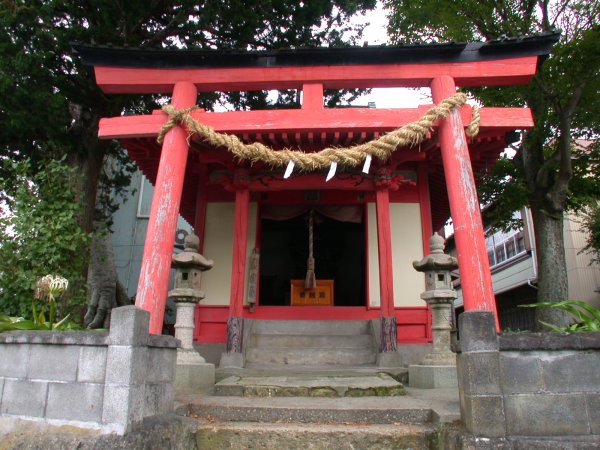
<point x="51" y="287"/>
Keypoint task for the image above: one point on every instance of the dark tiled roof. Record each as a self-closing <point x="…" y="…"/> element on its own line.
<point x="534" y="45"/>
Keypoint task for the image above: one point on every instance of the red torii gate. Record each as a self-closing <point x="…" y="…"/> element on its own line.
<point x="186" y="73"/>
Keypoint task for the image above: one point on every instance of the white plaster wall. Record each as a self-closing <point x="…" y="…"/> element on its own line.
<point x="407" y="246"/>
<point x="218" y="245"/>
<point x="583" y="276"/>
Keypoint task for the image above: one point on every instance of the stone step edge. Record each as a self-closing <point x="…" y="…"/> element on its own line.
<point x="299" y="436"/>
<point x="307" y="349"/>
<point x="288" y="415"/>
<point x="255" y="390"/>
<point x="258" y="338"/>
<point x="309" y="335"/>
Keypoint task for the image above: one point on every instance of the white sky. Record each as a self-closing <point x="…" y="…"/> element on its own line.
<point x="376" y="34"/>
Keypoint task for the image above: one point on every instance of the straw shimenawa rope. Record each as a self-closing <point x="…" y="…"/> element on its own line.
<point x="408" y="135"/>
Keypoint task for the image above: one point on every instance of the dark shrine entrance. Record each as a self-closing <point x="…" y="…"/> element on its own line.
<point x="339" y="252"/>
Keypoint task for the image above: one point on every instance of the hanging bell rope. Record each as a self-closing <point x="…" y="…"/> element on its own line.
<point x="409" y="135"/>
<point x="310" y="281"/>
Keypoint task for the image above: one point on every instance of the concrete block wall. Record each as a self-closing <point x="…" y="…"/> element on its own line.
<point x="527" y="384"/>
<point x="109" y="381"/>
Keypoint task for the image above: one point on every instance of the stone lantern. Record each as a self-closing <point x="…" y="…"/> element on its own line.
<point x="192" y="369"/>
<point x="438" y="368"/>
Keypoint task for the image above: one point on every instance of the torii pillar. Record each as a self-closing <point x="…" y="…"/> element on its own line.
<point x="164" y="212"/>
<point x="473" y="263"/>
<point x="234" y="357"/>
<point x="387" y="354"/>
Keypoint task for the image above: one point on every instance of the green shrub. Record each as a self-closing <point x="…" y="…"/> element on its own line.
<point x="586" y="317"/>
<point x="40" y="234"/>
<point x="48" y="290"/>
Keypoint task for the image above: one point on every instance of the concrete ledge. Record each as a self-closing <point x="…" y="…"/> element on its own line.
<point x="162" y="341"/>
<point x="159" y="432"/>
<point x="527" y="384"/>
<point x="103" y="381"/>
<point x="389" y="359"/>
<point x="55" y="337"/>
<point x="232" y="360"/>
<point x="432" y="377"/>
<point x="549" y="341"/>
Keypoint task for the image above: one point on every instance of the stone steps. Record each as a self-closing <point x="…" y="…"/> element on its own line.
<point x="310" y="342"/>
<point x="307" y="385"/>
<point x="407" y="422"/>
<point x="312" y="327"/>
<point x="371" y="410"/>
<point x="314" y="436"/>
<point x="351" y="356"/>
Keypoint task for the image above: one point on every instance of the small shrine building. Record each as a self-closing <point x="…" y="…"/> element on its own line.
<point x="357" y="204"/>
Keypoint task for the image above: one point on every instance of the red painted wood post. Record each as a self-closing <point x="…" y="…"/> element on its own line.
<point x="475" y="276"/>
<point x="383" y="182"/>
<point x="312" y="96"/>
<point x="238" y="269"/>
<point x="160" y="236"/>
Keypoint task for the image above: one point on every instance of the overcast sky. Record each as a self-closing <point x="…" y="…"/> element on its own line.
<point x="376" y="34"/>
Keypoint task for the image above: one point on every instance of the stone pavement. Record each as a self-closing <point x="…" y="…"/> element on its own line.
<point x="417" y="406"/>
<point x="307" y="385"/>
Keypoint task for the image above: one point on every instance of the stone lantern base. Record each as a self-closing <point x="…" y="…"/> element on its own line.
<point x="193" y="373"/>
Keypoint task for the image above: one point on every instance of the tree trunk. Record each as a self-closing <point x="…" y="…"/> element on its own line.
<point x="91" y="169"/>
<point x="105" y="292"/>
<point x="552" y="271"/>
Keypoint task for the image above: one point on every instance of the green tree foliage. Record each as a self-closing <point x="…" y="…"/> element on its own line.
<point x="49" y="103"/>
<point x="40" y="235"/>
<point x="549" y="173"/>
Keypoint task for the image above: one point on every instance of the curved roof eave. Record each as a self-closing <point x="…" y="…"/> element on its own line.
<point x="507" y="47"/>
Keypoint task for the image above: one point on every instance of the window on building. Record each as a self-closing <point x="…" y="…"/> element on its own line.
<point x="503" y="246"/>
<point x="520" y="243"/>
<point x="500" y="254"/>
<point x="491" y="257"/>
<point x="510" y="248"/>
<point x="145" y="198"/>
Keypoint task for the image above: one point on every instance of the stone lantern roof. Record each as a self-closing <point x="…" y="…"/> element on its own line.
<point x="190" y="257"/>
<point x="437" y="259"/>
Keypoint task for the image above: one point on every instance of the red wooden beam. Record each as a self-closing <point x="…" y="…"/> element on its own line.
<point x="384" y="241"/>
<point x="315" y="121"/>
<point x="311" y="181"/>
<point x="240" y="237"/>
<point x="121" y="80"/>
<point x="312" y="96"/>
